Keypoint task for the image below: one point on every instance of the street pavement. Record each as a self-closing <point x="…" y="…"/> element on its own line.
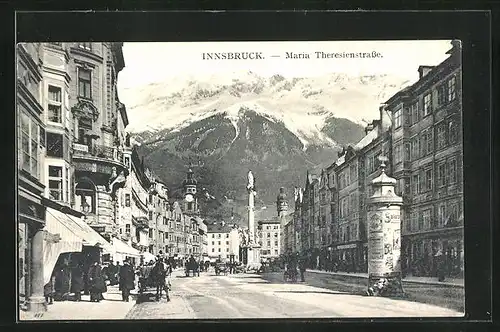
<point x="244" y="296"/>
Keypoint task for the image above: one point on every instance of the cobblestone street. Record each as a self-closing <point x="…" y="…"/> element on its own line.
<point x="249" y="296"/>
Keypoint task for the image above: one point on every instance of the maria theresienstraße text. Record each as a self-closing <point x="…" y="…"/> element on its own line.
<point x="291" y="55"/>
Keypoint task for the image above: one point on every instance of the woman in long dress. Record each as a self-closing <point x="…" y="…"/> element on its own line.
<point x="96" y="282"/>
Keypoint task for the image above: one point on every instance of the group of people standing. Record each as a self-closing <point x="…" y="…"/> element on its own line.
<point x="67" y="280"/>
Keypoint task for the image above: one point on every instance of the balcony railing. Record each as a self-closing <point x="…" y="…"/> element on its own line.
<point x="100" y="151"/>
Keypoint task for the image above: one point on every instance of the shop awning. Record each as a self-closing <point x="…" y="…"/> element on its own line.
<point x="66" y="233"/>
<point x="120" y="247"/>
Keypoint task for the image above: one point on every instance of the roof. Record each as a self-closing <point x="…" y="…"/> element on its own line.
<point x="218" y="228"/>
<point x="269" y="221"/>
<point x="370" y="137"/>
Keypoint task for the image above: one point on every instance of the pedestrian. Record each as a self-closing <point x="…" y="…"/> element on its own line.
<point x="48" y="290"/>
<point x="127" y="280"/>
<point x="117" y="268"/>
<point x="302" y="268"/>
<point x="96" y="282"/>
<point x="112" y="272"/>
<point x="77" y="281"/>
<point x="441" y="268"/>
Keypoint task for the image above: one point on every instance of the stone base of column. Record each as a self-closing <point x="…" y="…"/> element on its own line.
<point x="36" y="304"/>
<point x="389" y="286"/>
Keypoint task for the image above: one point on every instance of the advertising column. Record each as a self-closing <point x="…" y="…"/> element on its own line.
<point x="384" y="237"/>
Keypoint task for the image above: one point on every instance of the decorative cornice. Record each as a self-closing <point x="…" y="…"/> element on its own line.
<point x="87" y="54"/>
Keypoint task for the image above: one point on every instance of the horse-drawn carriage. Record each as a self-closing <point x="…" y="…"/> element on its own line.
<point x="221" y="268"/>
<point x="192" y="267"/>
<point x="152" y="281"/>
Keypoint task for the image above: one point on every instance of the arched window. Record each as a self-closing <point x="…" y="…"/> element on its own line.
<point x="85" y="197"/>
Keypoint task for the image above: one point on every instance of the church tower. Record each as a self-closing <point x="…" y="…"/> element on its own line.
<point x="190" y="194"/>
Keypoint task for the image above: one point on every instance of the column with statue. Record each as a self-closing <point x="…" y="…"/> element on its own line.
<point x="384" y="237"/>
<point x="252" y="246"/>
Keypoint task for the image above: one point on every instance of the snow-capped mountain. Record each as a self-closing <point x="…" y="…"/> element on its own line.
<point x="303" y="105"/>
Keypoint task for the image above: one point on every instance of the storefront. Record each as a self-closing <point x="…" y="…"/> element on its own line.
<point x="348" y="256"/>
<point x="69" y="242"/>
<point x="423" y="252"/>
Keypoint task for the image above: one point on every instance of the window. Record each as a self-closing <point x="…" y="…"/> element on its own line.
<point x="398" y="115"/>
<point x="423" y="143"/>
<point x="452" y="171"/>
<point x="430" y="141"/>
<point x="219" y="242"/>
<point x="414" y="148"/>
<point x="56" y="183"/>
<point x="127" y="228"/>
<point x="275" y="243"/>
<point x="84" y="83"/>
<point x="452" y="93"/>
<point x="452" y="217"/>
<point x="275" y="251"/>
<point x="415" y="184"/>
<point x="453" y="132"/>
<point x="268" y="234"/>
<point x="150" y="233"/>
<point x="441" y="136"/>
<point x="213" y="236"/>
<point x="227" y="243"/>
<point x="428" y="179"/>
<point x="442" y="94"/>
<point x="426" y="216"/>
<point x="414" y="113"/>
<point x="127" y="200"/>
<point x="30" y="136"/>
<point x="218" y="236"/>
<point x="414" y="220"/>
<point x="85" y="197"/>
<point x="219" y="249"/>
<point x="275" y="235"/>
<point x="55" y="105"/>
<point x="150" y="215"/>
<point x="427" y="104"/>
<point x="441" y="215"/>
<point x="407" y="152"/>
<point x="398" y="153"/>
<point x="268" y="243"/>
<point x="85" y="46"/>
<point x="227" y="236"/>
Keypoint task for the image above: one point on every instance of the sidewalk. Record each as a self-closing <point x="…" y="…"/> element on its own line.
<point x="112" y="307"/>
<point x="409" y="279"/>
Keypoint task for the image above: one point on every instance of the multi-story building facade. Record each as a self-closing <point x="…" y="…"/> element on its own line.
<point x="427" y="159"/>
<point x="98" y="143"/>
<point x="354" y="169"/>
<point x="270" y="238"/>
<point x="30" y="173"/>
<point x="418" y="132"/>
<point x="178" y="245"/>
<point x="223" y="241"/>
<point x="159" y="213"/>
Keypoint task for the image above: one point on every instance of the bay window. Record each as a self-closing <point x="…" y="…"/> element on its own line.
<point x="55" y="104"/>
<point x="56" y="183"/>
<point x="452" y="93"/>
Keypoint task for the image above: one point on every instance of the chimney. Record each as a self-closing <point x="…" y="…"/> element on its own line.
<point x="368" y="128"/>
<point x="424" y="70"/>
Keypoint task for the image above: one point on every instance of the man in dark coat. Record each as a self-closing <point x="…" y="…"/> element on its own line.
<point x="77" y="282"/>
<point x="96" y="282"/>
<point x="302" y="268"/>
<point x="127" y="278"/>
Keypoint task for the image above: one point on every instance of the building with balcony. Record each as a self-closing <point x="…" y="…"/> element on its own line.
<point x="30" y="136"/>
<point x="99" y="138"/>
<point x="427" y="163"/>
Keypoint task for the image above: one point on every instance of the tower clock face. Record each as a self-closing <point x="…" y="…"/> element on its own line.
<point x="189" y="198"/>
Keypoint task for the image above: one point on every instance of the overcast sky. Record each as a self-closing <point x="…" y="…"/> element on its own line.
<point x="153" y="62"/>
